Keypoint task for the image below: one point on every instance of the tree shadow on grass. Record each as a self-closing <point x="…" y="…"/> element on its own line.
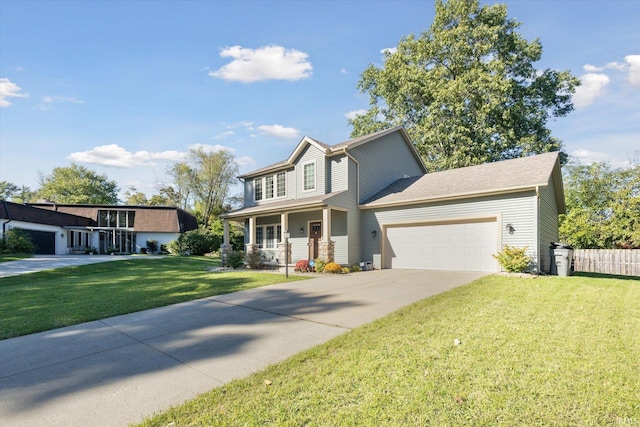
<point x="604" y="276"/>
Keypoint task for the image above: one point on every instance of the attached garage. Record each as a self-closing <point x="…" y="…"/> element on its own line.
<point x="44" y="241"/>
<point x="461" y="246"/>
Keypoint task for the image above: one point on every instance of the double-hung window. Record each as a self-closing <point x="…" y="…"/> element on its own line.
<point x="268" y="194"/>
<point x="258" y="188"/>
<point x="282" y="185"/>
<point x="309" y="171"/>
<point x="260" y="237"/>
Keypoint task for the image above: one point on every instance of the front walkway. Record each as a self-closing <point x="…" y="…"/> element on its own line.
<point x="116" y="371"/>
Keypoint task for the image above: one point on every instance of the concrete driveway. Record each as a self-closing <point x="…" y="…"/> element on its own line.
<point x="116" y="371"/>
<point x="48" y="262"/>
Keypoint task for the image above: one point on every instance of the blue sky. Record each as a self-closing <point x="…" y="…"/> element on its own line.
<point x="125" y="88"/>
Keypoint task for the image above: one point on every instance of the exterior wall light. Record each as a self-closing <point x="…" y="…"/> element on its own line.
<point x="510" y="228"/>
<point x="301" y="230"/>
<point x="374" y="233"/>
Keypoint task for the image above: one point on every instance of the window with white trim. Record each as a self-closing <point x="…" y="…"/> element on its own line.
<point x="268" y="236"/>
<point x="257" y="183"/>
<point x="282" y="184"/>
<point x="260" y="237"/>
<point x="268" y="193"/>
<point x="309" y="176"/>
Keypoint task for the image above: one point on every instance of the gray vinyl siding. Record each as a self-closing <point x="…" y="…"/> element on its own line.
<point x="382" y="162"/>
<point x="548" y="213"/>
<point x="517" y="209"/>
<point x="340" y="237"/>
<point x="337" y="178"/>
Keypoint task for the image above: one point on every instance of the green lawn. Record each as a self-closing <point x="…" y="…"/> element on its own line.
<point x="544" y="351"/>
<point x="51" y="299"/>
<point x="13" y="257"/>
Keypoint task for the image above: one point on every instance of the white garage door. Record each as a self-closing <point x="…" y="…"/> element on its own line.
<point x="456" y="246"/>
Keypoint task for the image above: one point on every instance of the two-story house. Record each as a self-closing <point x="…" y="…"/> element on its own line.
<point x="371" y="199"/>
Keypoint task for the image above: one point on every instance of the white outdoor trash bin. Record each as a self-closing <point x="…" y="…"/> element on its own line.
<point x="561" y="259"/>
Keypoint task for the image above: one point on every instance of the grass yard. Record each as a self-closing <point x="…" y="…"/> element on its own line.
<point x="544" y="351"/>
<point x="51" y="299"/>
<point x="13" y="257"/>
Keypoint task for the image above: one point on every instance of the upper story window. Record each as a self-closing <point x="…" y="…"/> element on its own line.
<point x="282" y="187"/>
<point x="258" y="188"/>
<point x="270" y="186"/>
<point x="309" y="171"/>
<point x="116" y="218"/>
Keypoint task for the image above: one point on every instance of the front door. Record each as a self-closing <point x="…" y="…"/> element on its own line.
<point x="315" y="234"/>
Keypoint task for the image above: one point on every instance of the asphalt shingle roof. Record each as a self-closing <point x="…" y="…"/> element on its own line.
<point x="498" y="177"/>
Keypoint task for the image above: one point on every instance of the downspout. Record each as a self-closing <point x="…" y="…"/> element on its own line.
<point x="539" y="249"/>
<point x="4" y="224"/>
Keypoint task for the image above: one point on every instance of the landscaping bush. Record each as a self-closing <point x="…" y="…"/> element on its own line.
<point x="332" y="268"/>
<point x="302" y="266"/>
<point x="152" y="246"/>
<point x="234" y="259"/>
<point x="195" y="242"/>
<point x="319" y="265"/>
<point x="16" y="241"/>
<point x="255" y="260"/>
<point x="513" y="259"/>
<point x="355" y="268"/>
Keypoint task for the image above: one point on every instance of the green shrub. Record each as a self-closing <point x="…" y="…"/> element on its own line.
<point x="195" y="242"/>
<point x="319" y="265"/>
<point x="234" y="259"/>
<point x="346" y="270"/>
<point x="513" y="259"/>
<point x="355" y="268"/>
<point x="152" y="245"/>
<point x="332" y="268"/>
<point x="16" y="241"/>
<point x="254" y="260"/>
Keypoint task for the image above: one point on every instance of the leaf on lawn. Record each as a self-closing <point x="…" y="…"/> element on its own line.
<point x="268" y="382"/>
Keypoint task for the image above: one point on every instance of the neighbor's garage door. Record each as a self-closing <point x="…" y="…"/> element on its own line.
<point x="450" y="246"/>
<point x="44" y="241"/>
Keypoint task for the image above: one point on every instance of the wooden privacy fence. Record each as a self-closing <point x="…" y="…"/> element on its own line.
<point x="624" y="262"/>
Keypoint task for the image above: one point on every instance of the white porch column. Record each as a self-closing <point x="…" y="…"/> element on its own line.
<point x="284" y="223"/>
<point x="326" y="224"/>
<point x="225" y="235"/>
<point x="252" y="230"/>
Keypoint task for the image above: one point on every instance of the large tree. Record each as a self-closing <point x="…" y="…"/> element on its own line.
<point x="603" y="206"/>
<point x="78" y="185"/>
<point x="467" y="90"/>
<point x="201" y="183"/>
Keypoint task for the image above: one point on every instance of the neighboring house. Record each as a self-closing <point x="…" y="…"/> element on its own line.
<point x="63" y="229"/>
<point x="370" y="199"/>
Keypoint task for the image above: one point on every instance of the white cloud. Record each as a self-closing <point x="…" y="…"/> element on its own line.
<point x="389" y="50"/>
<point x="116" y="156"/>
<point x="593" y="85"/>
<point x="592" y="68"/>
<point x="8" y="90"/>
<point x="344" y="71"/>
<point x="634" y="69"/>
<point x="278" y="131"/>
<point x="587" y="157"/>
<point x="245" y="161"/>
<point x="46" y="102"/>
<point x="265" y="63"/>
<point x="224" y="135"/>
<point x="352" y="114"/>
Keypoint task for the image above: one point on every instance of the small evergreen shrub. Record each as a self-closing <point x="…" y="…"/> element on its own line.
<point x="195" y="242"/>
<point x="345" y="270"/>
<point x="255" y="260"/>
<point x="355" y="268"/>
<point x="16" y="241"/>
<point x="302" y="266"/>
<point x="152" y="246"/>
<point x="332" y="268"/>
<point x="319" y="265"/>
<point x="234" y="259"/>
<point x="513" y="259"/>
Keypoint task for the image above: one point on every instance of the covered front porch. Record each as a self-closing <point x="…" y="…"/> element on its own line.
<point x="313" y="233"/>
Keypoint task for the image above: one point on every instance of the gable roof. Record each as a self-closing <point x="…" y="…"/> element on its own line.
<point x="507" y="176"/>
<point x="331" y="150"/>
